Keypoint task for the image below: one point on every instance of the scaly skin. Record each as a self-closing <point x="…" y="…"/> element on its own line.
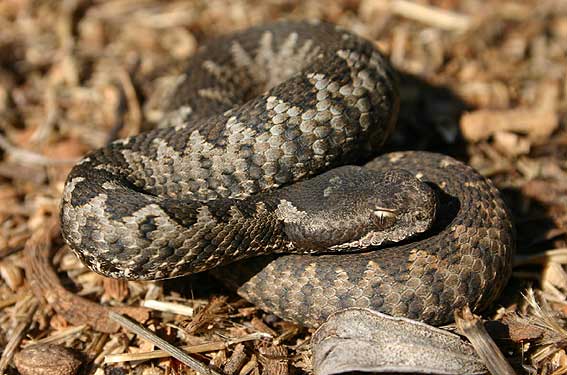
<point x="235" y="171"/>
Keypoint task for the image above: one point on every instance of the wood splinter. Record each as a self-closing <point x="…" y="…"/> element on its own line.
<point x="472" y="327"/>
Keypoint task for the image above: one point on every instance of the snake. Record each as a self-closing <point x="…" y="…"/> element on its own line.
<point x="264" y="169"/>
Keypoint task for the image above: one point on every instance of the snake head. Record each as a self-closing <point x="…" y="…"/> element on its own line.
<point x="352" y="208"/>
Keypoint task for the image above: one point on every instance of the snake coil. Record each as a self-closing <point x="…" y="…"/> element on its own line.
<point x="248" y="162"/>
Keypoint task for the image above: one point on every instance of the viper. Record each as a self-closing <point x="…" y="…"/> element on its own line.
<point x="257" y="163"/>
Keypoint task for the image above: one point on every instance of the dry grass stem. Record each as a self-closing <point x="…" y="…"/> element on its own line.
<point x="60" y="337"/>
<point x="172" y="350"/>
<point x="201" y="348"/>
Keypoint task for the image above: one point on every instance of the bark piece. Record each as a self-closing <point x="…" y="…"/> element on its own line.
<point x="365" y="340"/>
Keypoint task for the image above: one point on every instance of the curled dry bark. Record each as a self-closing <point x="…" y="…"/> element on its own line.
<point x="365" y="340"/>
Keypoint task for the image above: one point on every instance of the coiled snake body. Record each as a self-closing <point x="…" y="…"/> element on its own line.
<point x="236" y="170"/>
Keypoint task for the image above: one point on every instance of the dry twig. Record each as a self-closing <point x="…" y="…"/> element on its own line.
<point x="236" y="360"/>
<point x="16" y="337"/>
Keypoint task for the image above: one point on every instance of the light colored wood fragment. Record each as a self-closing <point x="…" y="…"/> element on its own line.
<point x="12" y="275"/>
<point x="472" y="327"/>
<point x="554" y="255"/>
<point x="116" y="289"/>
<point x="430" y="15"/>
<point x="169" y="307"/>
<point x="127" y="357"/>
<point x="9" y="301"/>
<point x="250" y="366"/>
<point x="61" y="336"/>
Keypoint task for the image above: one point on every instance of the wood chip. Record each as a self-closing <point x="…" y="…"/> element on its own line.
<point x="207" y="315"/>
<point x="274" y="359"/>
<point x="511" y="144"/>
<point x="47" y="360"/>
<point x="26" y="157"/>
<point x="554" y="276"/>
<point x="236" y="361"/>
<point x="141" y="356"/>
<point x="115" y="289"/>
<point x="554" y="255"/>
<point x="521" y="329"/>
<point x="61" y="336"/>
<point x="174" y="351"/>
<point x="12" y="275"/>
<point x="199" y="348"/>
<point x="480" y="125"/>
<point x="250" y="367"/>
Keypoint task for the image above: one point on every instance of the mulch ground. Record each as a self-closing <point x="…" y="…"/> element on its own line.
<point x="484" y="81"/>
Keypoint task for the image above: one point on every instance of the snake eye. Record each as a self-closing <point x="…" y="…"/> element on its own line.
<point x="382" y="215"/>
